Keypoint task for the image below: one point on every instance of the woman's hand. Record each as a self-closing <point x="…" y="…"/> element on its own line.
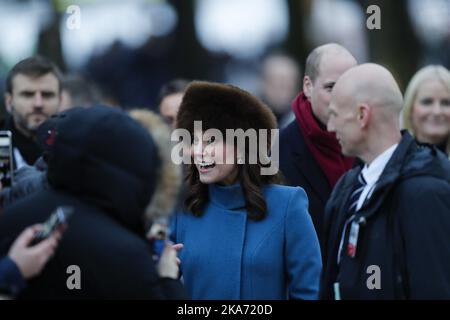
<point x="168" y="265"/>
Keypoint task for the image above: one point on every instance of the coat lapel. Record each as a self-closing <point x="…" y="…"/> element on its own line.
<point x="307" y="167"/>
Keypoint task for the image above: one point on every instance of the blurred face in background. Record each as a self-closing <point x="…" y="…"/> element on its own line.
<point x="210" y="157"/>
<point x="430" y="115"/>
<point x="281" y="78"/>
<point x="66" y="101"/>
<point x="32" y="101"/>
<point x="169" y="107"/>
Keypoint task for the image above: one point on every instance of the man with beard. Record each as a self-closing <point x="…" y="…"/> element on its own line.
<point x="33" y="93"/>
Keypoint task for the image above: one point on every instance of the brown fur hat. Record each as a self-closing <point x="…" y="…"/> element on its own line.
<point x="223" y="106"/>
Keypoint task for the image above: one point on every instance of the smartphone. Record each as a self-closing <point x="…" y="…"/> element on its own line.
<point x="56" y="220"/>
<point x="6" y="160"/>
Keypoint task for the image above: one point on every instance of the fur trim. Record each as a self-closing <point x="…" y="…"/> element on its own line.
<point x="223" y="106"/>
<point x="170" y="175"/>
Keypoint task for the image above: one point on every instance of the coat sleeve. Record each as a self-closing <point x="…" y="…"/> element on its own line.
<point x="302" y="251"/>
<point x="11" y="280"/>
<point x="28" y="179"/>
<point x="141" y="281"/>
<point x="330" y="237"/>
<point x="330" y="214"/>
<point x="425" y="228"/>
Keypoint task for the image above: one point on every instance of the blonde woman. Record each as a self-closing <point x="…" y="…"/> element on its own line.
<point x="426" y="112"/>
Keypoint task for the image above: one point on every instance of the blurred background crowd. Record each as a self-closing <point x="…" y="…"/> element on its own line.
<point x="126" y="50"/>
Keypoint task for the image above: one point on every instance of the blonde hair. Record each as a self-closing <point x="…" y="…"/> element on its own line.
<point x="170" y="176"/>
<point x="435" y="72"/>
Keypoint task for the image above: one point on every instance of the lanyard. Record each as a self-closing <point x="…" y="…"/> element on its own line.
<point x="341" y="243"/>
<point x="353" y="236"/>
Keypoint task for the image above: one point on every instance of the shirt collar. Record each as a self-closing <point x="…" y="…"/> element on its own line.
<point x="372" y="172"/>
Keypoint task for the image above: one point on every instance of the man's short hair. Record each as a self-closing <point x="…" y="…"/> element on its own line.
<point x="34" y="67"/>
<point x="315" y="58"/>
<point x="313" y="63"/>
<point x="172" y="87"/>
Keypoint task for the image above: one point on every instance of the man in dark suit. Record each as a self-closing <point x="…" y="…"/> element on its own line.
<point x="310" y="156"/>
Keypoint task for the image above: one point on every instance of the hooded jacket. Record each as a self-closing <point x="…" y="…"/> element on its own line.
<point x="105" y="165"/>
<point x="403" y="247"/>
<point x="29" y="179"/>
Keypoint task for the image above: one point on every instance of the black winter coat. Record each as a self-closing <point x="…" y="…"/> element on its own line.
<point x="300" y="169"/>
<point x="404" y="230"/>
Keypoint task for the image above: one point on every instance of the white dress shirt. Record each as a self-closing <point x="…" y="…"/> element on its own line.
<point x="372" y="173"/>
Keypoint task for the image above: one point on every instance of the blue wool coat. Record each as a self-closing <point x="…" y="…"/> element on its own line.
<point x="228" y="256"/>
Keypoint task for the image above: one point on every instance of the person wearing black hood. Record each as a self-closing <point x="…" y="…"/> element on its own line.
<point x="387" y="223"/>
<point x="105" y="166"/>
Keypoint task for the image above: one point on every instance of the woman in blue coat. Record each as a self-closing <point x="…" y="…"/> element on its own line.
<point x="244" y="236"/>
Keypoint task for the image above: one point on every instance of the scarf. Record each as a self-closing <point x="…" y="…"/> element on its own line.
<point x="322" y="144"/>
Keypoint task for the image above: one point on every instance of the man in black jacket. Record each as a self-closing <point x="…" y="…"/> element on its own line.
<point x="387" y="223"/>
<point x="106" y="166"/>
<point x="33" y="93"/>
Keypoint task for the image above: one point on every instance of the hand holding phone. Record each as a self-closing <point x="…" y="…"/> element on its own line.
<point x="31" y="260"/>
<point x="58" y="219"/>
